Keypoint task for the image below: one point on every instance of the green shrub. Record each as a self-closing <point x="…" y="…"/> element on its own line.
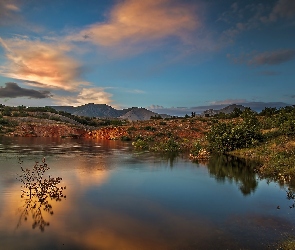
<point x="196" y="148"/>
<point x="150" y="128"/>
<point x="225" y="137"/>
<point x="4" y="121"/>
<point x="288" y="127"/>
<point x="169" y="146"/>
<point x="140" y="144"/>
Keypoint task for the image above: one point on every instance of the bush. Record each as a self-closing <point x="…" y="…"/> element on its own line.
<point x="196" y="149"/>
<point x="225" y="137"/>
<point x="140" y="144"/>
<point x="150" y="128"/>
<point x="170" y="146"/>
<point x="288" y="127"/>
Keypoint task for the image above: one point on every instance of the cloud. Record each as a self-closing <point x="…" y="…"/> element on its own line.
<point x="273" y="58"/>
<point x="12" y="90"/>
<point x="46" y="64"/>
<point x="132" y="22"/>
<point x="228" y="102"/>
<point x="252" y="16"/>
<point x="155" y="107"/>
<point x="283" y="9"/>
<point x="265" y="58"/>
<point x="242" y="18"/>
<point x="87" y="95"/>
<point x="9" y="11"/>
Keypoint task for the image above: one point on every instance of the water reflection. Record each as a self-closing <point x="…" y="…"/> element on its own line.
<point x="229" y="168"/>
<point x="37" y="193"/>
<point x="139" y="200"/>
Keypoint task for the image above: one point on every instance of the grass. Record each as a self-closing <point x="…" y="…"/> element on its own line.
<point x="276" y="156"/>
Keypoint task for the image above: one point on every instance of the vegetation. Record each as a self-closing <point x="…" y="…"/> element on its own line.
<point x="37" y="192"/>
<point x="268" y="136"/>
<point x="288" y="244"/>
<point x="228" y="136"/>
<point x="169" y="146"/>
<point x="276" y="149"/>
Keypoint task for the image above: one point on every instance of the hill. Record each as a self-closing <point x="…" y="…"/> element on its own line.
<point x="138" y="114"/>
<point x="225" y="110"/>
<point x="106" y="111"/>
<point x="91" y="110"/>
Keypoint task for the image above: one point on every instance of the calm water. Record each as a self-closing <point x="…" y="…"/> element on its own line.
<point x="119" y="199"/>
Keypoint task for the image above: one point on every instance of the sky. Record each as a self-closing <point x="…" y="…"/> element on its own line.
<point x="170" y="56"/>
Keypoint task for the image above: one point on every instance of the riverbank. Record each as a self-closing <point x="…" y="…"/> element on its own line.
<point x="275" y="153"/>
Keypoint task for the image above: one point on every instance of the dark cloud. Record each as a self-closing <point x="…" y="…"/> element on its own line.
<point x="12" y="90"/>
<point x="9" y="11"/>
<point x="273" y="58"/>
<point x="244" y="15"/>
<point x="282" y="9"/>
<point x="264" y="58"/>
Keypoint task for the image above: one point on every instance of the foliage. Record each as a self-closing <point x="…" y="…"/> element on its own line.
<point x="140" y="144"/>
<point x="268" y="112"/>
<point x="6" y="112"/>
<point x="156" y="117"/>
<point x="288" y="127"/>
<point x="196" y="148"/>
<point x="170" y="146"/>
<point x="288" y="244"/>
<point x="225" y="137"/>
<point x="149" y="128"/>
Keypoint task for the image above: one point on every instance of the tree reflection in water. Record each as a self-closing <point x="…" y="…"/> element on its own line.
<point x="229" y="168"/>
<point x="37" y="192"/>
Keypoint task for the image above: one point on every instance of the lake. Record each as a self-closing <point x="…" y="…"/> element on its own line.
<point x="117" y="198"/>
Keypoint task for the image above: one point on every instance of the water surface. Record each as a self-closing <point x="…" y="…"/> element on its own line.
<point x="120" y="199"/>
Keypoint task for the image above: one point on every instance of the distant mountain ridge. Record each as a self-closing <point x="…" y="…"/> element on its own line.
<point x="106" y="111"/>
<point x="131" y="114"/>
<point x="225" y="110"/>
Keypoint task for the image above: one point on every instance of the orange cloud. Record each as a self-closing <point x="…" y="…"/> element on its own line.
<point x="133" y="21"/>
<point x="41" y="64"/>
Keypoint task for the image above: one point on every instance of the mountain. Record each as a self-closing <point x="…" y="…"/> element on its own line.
<point x="106" y="111"/>
<point x="91" y="110"/>
<point x="138" y="114"/>
<point x="225" y="110"/>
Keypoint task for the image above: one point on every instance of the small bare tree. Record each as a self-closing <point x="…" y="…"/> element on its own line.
<point x="37" y="191"/>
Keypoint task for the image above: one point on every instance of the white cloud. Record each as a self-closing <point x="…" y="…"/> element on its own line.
<point x="87" y="95"/>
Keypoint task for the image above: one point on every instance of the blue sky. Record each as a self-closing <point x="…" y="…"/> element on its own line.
<point x="170" y="56"/>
